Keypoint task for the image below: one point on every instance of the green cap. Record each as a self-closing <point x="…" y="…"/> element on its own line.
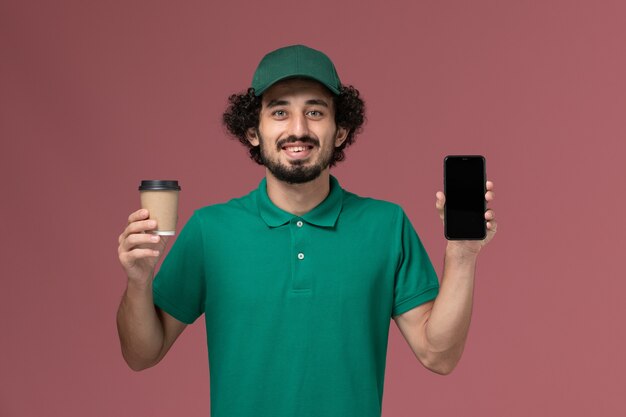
<point x="295" y="61"/>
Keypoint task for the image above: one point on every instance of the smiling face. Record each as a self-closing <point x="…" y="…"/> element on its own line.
<point x="297" y="131"/>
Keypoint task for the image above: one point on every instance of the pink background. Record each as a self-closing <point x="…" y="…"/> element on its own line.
<point x="95" y="97"/>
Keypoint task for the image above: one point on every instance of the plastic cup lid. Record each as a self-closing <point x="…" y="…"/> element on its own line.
<point x="159" y="185"/>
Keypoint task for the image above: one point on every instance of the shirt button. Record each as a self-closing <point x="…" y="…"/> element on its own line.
<point x="301" y="256"/>
<point x="299" y="223"/>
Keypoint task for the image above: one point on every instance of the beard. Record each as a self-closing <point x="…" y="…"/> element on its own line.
<point x="295" y="172"/>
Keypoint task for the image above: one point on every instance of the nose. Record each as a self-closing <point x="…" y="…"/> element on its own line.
<point x="298" y="126"/>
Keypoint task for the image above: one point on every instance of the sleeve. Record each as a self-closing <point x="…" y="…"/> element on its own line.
<point x="179" y="286"/>
<point x="416" y="281"/>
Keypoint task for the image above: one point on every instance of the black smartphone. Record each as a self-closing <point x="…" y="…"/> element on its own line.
<point x="464" y="183"/>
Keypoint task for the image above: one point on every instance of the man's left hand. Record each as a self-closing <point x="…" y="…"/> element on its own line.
<point x="472" y="246"/>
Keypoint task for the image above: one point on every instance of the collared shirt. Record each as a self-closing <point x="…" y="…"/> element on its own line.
<point x="297" y="308"/>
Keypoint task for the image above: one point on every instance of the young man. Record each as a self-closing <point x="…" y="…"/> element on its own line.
<point x="299" y="279"/>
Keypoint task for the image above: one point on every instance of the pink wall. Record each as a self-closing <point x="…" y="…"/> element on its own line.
<point x="94" y="98"/>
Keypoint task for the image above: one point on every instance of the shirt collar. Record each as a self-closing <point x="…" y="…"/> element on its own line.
<point x="324" y="214"/>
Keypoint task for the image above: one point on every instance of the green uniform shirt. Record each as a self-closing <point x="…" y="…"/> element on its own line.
<point x="297" y="308"/>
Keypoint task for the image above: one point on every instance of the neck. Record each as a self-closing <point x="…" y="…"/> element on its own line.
<point x="298" y="199"/>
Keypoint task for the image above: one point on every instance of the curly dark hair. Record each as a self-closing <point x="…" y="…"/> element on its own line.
<point x="244" y="108"/>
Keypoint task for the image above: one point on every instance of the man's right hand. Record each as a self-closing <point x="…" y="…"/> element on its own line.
<point x="146" y="332"/>
<point x="138" y="251"/>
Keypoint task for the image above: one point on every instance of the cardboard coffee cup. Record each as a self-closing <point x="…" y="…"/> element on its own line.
<point x="160" y="197"/>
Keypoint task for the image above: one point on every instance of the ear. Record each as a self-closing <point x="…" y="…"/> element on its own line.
<point x="252" y="136"/>
<point x="341" y="136"/>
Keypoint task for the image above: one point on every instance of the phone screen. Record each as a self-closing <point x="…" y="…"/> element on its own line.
<point x="464" y="187"/>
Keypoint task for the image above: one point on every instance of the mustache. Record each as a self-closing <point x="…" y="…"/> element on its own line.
<point x="293" y="139"/>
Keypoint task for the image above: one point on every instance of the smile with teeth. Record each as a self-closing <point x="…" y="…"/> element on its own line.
<point x="296" y="148"/>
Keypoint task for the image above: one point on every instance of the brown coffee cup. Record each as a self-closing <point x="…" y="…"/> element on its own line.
<point x="160" y="197"/>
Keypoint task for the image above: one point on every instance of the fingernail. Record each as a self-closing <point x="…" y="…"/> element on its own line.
<point x="154" y="238"/>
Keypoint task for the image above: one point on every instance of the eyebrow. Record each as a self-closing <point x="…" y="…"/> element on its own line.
<point x="317" y="102"/>
<point x="275" y="103"/>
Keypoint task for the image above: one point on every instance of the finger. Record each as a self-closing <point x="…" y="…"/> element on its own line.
<point x="140" y="214"/>
<point x="489" y="195"/>
<point x="441" y="200"/>
<point x="490" y="215"/>
<point x="489" y="185"/>
<point x="140" y="226"/>
<point x="136" y="239"/>
<point x="129" y="258"/>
